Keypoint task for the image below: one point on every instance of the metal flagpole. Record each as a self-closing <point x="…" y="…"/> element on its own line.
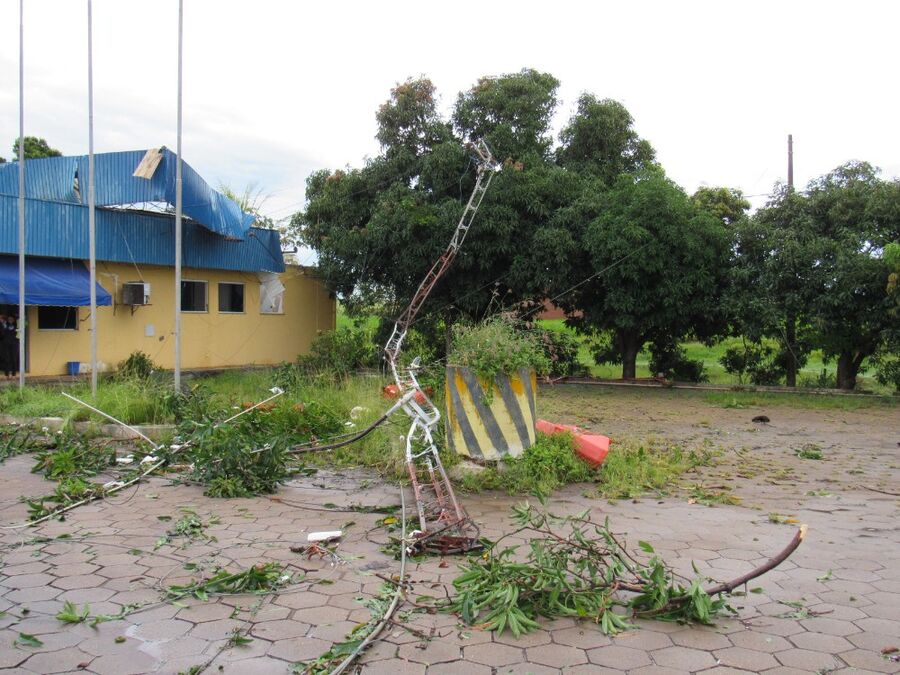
<point x="21" y="326"/>
<point x="178" y="211"/>
<point x="92" y="233"/>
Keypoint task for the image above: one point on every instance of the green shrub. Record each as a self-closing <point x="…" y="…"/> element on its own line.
<point x="887" y="370"/>
<point x="138" y="366"/>
<point x="671" y="362"/>
<point x="561" y="350"/>
<point x="339" y="353"/>
<point x="496" y="346"/>
<point x="761" y="363"/>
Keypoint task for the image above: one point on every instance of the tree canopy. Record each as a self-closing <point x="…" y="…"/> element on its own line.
<point x="600" y="140"/>
<point x="595" y="223"/>
<point x="379" y="228"/>
<point x="35" y="148"/>
<point x="658" y="264"/>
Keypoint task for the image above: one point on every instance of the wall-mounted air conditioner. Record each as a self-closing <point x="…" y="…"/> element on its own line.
<point x="135" y="293"/>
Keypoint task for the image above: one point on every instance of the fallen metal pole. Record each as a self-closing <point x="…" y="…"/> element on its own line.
<point x="110" y="417"/>
<point x="398" y="594"/>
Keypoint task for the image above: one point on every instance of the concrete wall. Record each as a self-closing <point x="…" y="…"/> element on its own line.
<point x="209" y="339"/>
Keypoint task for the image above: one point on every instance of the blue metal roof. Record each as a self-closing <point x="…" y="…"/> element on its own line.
<point x="60" y="230"/>
<point x="54" y="179"/>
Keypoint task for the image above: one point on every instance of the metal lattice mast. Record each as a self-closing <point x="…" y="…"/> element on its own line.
<point x="445" y="526"/>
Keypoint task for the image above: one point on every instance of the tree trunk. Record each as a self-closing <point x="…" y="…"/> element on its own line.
<point x="631" y="345"/>
<point x="791" y="340"/>
<point x="847" y="369"/>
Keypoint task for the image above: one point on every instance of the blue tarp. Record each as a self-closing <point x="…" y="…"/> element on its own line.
<point x="49" y="281"/>
<point x="54" y="179"/>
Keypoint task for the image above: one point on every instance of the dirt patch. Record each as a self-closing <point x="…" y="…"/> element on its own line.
<point x="800" y="453"/>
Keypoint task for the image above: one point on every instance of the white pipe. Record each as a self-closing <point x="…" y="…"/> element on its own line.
<point x="92" y="232"/>
<point x="20" y="332"/>
<point x="110" y="417"/>
<point x="178" y="210"/>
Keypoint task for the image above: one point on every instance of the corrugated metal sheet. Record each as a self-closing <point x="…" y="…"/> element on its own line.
<point x="58" y="230"/>
<point x="53" y="179"/>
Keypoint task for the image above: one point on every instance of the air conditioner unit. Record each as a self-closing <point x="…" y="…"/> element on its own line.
<point x="135" y="293"/>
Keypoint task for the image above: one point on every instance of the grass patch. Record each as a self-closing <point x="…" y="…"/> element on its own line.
<point x="809" y="451"/>
<point x="631" y="469"/>
<point x="635" y="468"/>
<point x="548" y="464"/>
<point x="748" y="399"/>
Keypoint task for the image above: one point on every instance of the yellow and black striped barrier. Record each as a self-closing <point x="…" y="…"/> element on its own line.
<point x="490" y="420"/>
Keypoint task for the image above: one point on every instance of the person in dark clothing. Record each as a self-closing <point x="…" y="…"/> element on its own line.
<point x="9" y="346"/>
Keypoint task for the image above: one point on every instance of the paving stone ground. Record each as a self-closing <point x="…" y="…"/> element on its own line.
<point x="845" y="578"/>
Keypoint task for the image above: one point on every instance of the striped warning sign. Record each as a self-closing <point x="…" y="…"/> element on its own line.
<point x="490" y="420"/>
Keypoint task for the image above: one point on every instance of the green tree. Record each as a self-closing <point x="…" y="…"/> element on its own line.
<point x="35" y="148"/>
<point x="856" y="215"/>
<point x="774" y="279"/>
<point x="599" y="140"/>
<point x="656" y="266"/>
<point x="512" y="113"/>
<point x="728" y="204"/>
<point x="378" y="229"/>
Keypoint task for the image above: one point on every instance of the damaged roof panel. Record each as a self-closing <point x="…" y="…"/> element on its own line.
<point x="64" y="179"/>
<point x="60" y="230"/>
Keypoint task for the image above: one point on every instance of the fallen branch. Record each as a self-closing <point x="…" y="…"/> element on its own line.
<point x="398" y="594"/>
<point x="576" y="567"/>
<point x="884" y="492"/>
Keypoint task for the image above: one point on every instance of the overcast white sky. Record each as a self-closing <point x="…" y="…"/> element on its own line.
<point x="274" y="90"/>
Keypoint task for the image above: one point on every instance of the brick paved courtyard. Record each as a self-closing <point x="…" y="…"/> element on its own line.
<point x="843" y="583"/>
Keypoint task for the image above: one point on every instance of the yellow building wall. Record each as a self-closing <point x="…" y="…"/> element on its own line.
<point x="209" y="339"/>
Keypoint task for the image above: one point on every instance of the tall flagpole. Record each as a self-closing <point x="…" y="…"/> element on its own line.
<point x="92" y="233"/>
<point x="21" y="326"/>
<point x="178" y="211"/>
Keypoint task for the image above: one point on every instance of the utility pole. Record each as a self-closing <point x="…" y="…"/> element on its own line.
<point x="790" y="333"/>
<point x="178" y="188"/>
<point x="21" y="326"/>
<point x="92" y="229"/>
<point x="790" y="162"/>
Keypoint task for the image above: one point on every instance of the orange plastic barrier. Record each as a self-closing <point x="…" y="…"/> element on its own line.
<point x="592" y="448"/>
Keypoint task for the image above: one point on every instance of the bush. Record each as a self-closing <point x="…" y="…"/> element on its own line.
<point x="561" y="350"/>
<point x="672" y="363"/>
<point x="137" y="366"/>
<point x="759" y="362"/>
<point x="339" y="353"/>
<point x="496" y="346"/>
<point x="887" y="370"/>
<point x="823" y="380"/>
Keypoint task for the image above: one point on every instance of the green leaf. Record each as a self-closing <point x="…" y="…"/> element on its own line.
<point x="646" y="547"/>
<point x="28" y="640"/>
